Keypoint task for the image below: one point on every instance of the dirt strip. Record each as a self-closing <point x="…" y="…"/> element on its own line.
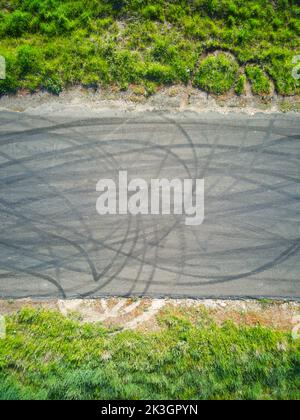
<point x="144" y="313"/>
<point x="176" y="98"/>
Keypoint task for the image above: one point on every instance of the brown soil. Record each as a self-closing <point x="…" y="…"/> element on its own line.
<point x="143" y="314"/>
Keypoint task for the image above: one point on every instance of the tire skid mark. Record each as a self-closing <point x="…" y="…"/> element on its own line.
<point x="239" y="176"/>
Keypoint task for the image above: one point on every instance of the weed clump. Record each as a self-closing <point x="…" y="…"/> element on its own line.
<point x="260" y="83"/>
<point x="241" y="85"/>
<point x="217" y="74"/>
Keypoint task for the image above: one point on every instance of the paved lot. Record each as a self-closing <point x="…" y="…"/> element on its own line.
<point x="54" y="244"/>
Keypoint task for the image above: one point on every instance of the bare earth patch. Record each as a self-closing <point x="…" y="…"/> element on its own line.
<point x="142" y="314"/>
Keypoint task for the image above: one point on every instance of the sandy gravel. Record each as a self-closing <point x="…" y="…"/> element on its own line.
<point x="170" y="98"/>
<point x="143" y="313"/>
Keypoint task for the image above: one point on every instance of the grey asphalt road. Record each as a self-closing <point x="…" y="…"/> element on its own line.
<point x="53" y="243"/>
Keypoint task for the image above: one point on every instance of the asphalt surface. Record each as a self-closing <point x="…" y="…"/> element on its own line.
<point x="54" y="244"/>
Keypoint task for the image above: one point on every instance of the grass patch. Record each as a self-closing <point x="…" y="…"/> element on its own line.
<point x="217" y="74"/>
<point x="240" y="87"/>
<point x="287" y="106"/>
<point x="52" y="44"/>
<point x="46" y="356"/>
<point x="260" y="83"/>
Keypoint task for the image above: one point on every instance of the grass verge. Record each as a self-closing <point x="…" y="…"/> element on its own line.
<point x="53" y="44"/>
<point x="47" y="356"/>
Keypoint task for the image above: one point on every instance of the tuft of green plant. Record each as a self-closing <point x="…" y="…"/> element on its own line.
<point x="240" y="85"/>
<point x="280" y="69"/>
<point x="287" y="106"/>
<point x="153" y="12"/>
<point x="260" y="83"/>
<point x="159" y="73"/>
<point x="217" y="74"/>
<point x="53" y="85"/>
<point x="96" y="72"/>
<point x="29" y="59"/>
<point x="150" y="88"/>
<point x="16" y="24"/>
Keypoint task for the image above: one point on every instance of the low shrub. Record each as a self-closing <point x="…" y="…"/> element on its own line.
<point x="217" y="74"/>
<point x="153" y="12"/>
<point x="17" y="23"/>
<point x="260" y="83"/>
<point x="159" y="73"/>
<point x="53" y="85"/>
<point x="30" y="59"/>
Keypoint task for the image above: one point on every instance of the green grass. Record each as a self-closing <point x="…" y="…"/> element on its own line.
<point x="46" y="356"/>
<point x="240" y="85"/>
<point x="53" y="44"/>
<point x="260" y="83"/>
<point x="217" y="74"/>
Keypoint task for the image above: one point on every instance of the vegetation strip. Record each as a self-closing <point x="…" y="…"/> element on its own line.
<point x="190" y="356"/>
<point x="52" y="44"/>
